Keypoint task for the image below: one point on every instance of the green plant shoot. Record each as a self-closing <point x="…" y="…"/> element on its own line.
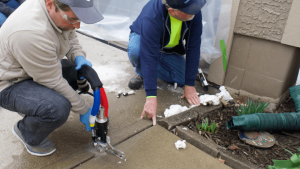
<point x="213" y="127"/>
<point x="199" y="127"/>
<point x="252" y="107"/>
<point x="206" y="127"/>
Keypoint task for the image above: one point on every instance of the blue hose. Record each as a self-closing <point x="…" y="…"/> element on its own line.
<point x="97" y="102"/>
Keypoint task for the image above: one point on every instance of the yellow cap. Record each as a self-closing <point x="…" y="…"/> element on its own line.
<point x="92" y="125"/>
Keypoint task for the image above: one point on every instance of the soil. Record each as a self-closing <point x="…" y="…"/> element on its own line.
<point x="258" y="156"/>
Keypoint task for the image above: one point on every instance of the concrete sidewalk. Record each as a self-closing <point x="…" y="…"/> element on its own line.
<point x="145" y="146"/>
<point x="154" y="148"/>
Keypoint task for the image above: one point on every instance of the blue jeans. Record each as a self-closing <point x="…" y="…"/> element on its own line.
<point x="45" y="110"/>
<point x="170" y="68"/>
<point x="13" y="4"/>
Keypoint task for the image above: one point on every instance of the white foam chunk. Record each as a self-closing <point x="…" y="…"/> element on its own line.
<point x="224" y="93"/>
<point x="206" y="98"/>
<point x="174" y="109"/>
<point x="131" y="92"/>
<point x="180" y="144"/>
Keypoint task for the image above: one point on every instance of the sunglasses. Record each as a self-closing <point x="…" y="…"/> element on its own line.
<point x="65" y="17"/>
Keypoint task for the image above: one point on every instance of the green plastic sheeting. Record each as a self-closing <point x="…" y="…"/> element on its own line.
<point x="265" y="122"/>
<point x="294" y="163"/>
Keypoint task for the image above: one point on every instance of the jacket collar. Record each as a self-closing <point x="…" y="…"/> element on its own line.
<point x="43" y="4"/>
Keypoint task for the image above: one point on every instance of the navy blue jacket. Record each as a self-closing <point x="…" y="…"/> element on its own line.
<point x="6" y="10"/>
<point x="153" y="25"/>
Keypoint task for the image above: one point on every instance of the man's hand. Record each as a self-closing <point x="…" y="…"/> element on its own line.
<point x="80" y="61"/>
<point x="190" y="94"/>
<point x="150" y="109"/>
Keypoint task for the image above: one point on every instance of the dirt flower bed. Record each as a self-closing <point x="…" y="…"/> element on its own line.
<point x="258" y="156"/>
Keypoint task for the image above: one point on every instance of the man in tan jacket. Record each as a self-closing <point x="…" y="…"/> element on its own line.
<point x="33" y="41"/>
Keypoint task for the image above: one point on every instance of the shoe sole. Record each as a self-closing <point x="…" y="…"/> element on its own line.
<point x="30" y="152"/>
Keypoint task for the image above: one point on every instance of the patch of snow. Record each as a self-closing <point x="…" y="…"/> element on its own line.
<point x="177" y="90"/>
<point x="111" y="77"/>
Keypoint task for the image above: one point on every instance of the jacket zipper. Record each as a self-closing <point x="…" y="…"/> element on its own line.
<point x="167" y="29"/>
<point x="183" y="36"/>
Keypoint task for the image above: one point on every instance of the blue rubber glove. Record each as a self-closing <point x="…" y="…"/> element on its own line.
<point x="85" y="119"/>
<point x="80" y="61"/>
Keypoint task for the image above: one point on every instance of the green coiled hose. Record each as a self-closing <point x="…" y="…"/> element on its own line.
<point x="265" y="122"/>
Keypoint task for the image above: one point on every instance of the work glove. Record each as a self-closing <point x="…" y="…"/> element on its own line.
<point x="85" y="119"/>
<point x="80" y="61"/>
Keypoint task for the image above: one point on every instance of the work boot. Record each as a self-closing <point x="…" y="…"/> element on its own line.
<point x="45" y="148"/>
<point x="136" y="82"/>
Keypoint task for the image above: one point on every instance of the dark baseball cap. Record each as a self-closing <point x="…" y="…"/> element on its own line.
<point x="85" y="10"/>
<point x="187" y="6"/>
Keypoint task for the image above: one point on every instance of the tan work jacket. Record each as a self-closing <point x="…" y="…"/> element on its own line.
<point x="32" y="46"/>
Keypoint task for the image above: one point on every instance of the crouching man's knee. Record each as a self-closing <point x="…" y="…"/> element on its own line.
<point x="58" y="112"/>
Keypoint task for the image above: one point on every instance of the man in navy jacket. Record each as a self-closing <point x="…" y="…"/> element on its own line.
<point x="163" y="33"/>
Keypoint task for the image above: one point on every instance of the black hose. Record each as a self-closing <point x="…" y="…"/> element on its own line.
<point x="91" y="76"/>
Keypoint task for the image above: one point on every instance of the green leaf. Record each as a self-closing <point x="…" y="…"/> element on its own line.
<point x="206" y="125"/>
<point x="199" y="127"/>
<point x="224" y="54"/>
<point x="202" y="126"/>
<point x="252" y="107"/>
<point x="213" y="127"/>
<point x="288" y="151"/>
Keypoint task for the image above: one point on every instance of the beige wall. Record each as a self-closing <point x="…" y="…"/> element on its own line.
<point x="262" y="48"/>
<point x="262" y="67"/>
<point x="216" y="73"/>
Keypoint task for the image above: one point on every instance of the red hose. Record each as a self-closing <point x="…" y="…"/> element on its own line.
<point x="104" y="101"/>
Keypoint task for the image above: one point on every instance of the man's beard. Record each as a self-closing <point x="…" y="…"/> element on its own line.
<point x="66" y="29"/>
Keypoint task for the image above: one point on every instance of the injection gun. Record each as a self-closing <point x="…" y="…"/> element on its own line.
<point x="99" y="116"/>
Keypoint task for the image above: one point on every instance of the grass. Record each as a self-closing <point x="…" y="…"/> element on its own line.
<point x="252" y="107"/>
<point x="208" y="128"/>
